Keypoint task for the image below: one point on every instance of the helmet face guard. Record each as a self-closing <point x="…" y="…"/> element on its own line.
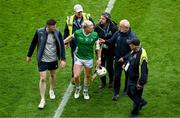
<point x="101" y="71"/>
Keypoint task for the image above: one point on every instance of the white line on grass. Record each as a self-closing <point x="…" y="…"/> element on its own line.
<point x="110" y="6"/>
<point x="65" y="99"/>
<point x="69" y="90"/>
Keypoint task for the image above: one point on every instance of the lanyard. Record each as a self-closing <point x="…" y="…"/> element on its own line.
<point x="106" y="30"/>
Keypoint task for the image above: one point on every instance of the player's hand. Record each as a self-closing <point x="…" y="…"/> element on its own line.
<point x="62" y="64"/>
<point x="121" y="60"/>
<point x="28" y="59"/>
<point x="123" y="66"/>
<point x="101" y="41"/>
<point x="139" y="86"/>
<point x="66" y="46"/>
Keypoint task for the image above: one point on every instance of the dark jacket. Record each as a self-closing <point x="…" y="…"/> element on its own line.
<point x="106" y="32"/>
<point x="76" y="26"/>
<point x="119" y="40"/>
<point x="134" y="73"/>
<point x="40" y="38"/>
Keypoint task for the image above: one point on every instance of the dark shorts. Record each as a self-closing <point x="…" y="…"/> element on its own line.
<point x="43" y="66"/>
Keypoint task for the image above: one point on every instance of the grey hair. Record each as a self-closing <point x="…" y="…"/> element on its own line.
<point x="125" y="23"/>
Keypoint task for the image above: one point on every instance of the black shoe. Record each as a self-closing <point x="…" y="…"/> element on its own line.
<point x="101" y="85"/>
<point x="135" y="110"/>
<point x="142" y="104"/>
<point x="134" y="113"/>
<point x="115" y="97"/>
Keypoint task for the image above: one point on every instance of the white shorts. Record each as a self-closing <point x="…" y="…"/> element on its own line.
<point x="86" y="63"/>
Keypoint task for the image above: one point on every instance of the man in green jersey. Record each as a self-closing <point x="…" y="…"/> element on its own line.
<point x="83" y="55"/>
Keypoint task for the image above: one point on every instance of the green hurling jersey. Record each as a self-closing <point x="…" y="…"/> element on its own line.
<point x="85" y="44"/>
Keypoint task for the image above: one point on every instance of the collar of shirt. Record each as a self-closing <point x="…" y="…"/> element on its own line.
<point x="47" y="30"/>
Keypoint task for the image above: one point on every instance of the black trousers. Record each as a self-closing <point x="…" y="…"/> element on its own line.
<point x="107" y="61"/>
<point x="135" y="95"/>
<point x="117" y="78"/>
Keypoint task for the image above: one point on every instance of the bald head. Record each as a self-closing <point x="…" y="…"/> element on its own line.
<point x="124" y="22"/>
<point x="124" y="25"/>
<point x="87" y="23"/>
<point x="88" y="26"/>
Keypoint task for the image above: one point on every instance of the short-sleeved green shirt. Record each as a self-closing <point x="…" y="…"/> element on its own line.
<point x="85" y="44"/>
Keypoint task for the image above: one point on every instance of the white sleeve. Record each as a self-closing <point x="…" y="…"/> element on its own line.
<point x="73" y="35"/>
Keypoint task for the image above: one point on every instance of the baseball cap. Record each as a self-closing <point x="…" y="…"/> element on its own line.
<point x="78" y="8"/>
<point x="134" y="41"/>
